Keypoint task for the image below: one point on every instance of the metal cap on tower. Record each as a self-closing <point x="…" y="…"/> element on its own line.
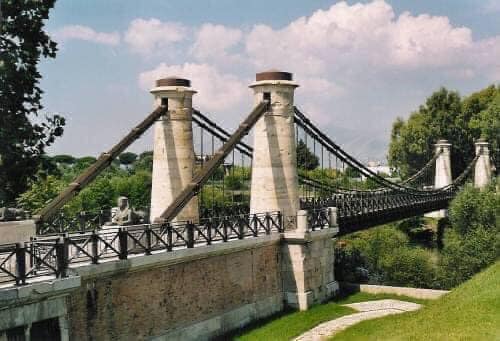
<point x="274" y="75"/>
<point x="173" y="81"/>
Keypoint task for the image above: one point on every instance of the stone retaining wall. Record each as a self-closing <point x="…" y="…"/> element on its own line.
<point x="193" y="293"/>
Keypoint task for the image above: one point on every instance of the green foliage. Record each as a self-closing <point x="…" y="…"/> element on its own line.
<point x="40" y="193"/>
<point x="387" y="255"/>
<point x="407" y="266"/>
<point x="144" y="161"/>
<point x="127" y="158"/>
<point x="63" y="158"/>
<point x="465" y="255"/>
<point x="83" y="162"/>
<point x="305" y="158"/>
<point x="137" y="187"/>
<point x="99" y="194"/>
<point x="473" y="208"/>
<point x="473" y="243"/>
<point x="445" y="116"/>
<point x="23" y="135"/>
<point x="352" y="173"/>
<point x="233" y="182"/>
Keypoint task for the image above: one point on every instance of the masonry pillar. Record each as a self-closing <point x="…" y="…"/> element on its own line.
<point x="173" y="151"/>
<point x="308" y="262"/>
<point x="274" y="167"/>
<point x="442" y="176"/>
<point x="482" y="170"/>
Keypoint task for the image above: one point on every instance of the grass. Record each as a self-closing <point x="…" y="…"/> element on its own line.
<point x="290" y="324"/>
<point x="363" y="297"/>
<point x="469" y="312"/>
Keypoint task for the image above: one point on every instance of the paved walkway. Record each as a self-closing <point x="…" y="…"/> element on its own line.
<point x="367" y="310"/>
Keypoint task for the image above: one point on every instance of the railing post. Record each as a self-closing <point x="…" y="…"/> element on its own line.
<point x="123" y="243"/>
<point x="224" y="229"/>
<point x="280" y="222"/>
<point x="81" y="220"/>
<point x="148" y="233"/>
<point x="20" y="264"/>
<point x="302" y="221"/>
<point x="209" y="224"/>
<point x="169" y="228"/>
<point x="332" y="216"/>
<point x="190" y="234"/>
<point x="268" y="223"/>
<point x="94" y="241"/>
<point x="101" y="218"/>
<point x="62" y="256"/>
<point x="241" y="229"/>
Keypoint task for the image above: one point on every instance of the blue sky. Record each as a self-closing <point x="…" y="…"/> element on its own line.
<point x="360" y="64"/>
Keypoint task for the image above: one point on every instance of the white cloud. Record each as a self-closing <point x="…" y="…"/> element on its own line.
<point x="216" y="91"/>
<point x="358" y="66"/>
<point x="491" y="6"/>
<point x="213" y="41"/>
<point x="149" y="36"/>
<point x="363" y="35"/>
<point x="79" y="32"/>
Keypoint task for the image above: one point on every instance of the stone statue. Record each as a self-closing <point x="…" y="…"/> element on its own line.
<point x="12" y="214"/>
<point x="124" y="215"/>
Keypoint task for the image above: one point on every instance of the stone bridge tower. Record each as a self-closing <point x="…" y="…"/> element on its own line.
<point x="442" y="176"/>
<point x="173" y="152"/>
<point x="274" y="166"/>
<point x="482" y="170"/>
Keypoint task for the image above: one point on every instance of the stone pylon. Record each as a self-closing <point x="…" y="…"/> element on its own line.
<point x="274" y="166"/>
<point x="173" y="152"/>
<point x="442" y="176"/>
<point x="482" y="170"/>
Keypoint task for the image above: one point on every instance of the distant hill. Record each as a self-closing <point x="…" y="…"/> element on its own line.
<point x="364" y="145"/>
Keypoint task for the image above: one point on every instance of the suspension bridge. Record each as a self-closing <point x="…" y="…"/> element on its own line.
<point x="211" y="187"/>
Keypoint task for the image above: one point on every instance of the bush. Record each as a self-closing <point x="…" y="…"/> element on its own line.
<point x="387" y="255"/>
<point x="472" y="208"/>
<point x="464" y="256"/>
<point x="408" y="266"/>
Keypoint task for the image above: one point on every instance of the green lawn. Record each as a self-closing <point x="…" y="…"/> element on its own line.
<point x="293" y="323"/>
<point x="363" y="297"/>
<point x="469" y="312"/>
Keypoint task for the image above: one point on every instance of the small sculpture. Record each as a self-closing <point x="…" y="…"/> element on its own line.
<point x="124" y="215"/>
<point x="12" y="214"/>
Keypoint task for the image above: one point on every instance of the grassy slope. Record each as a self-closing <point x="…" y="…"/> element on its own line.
<point x="293" y="323"/>
<point x="469" y="312"/>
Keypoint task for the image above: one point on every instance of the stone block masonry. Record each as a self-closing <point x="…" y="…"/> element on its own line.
<point x="188" y="294"/>
<point x="197" y="293"/>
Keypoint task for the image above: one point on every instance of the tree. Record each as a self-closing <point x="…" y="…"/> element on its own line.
<point x="127" y="158"/>
<point x="24" y="136"/>
<point x="145" y="161"/>
<point x="63" y="158"/>
<point x="443" y="116"/>
<point x="40" y="193"/>
<point x="487" y="122"/>
<point x="305" y="158"/>
<point x="473" y="242"/>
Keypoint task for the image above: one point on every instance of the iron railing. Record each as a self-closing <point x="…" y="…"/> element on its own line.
<point x="51" y="256"/>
